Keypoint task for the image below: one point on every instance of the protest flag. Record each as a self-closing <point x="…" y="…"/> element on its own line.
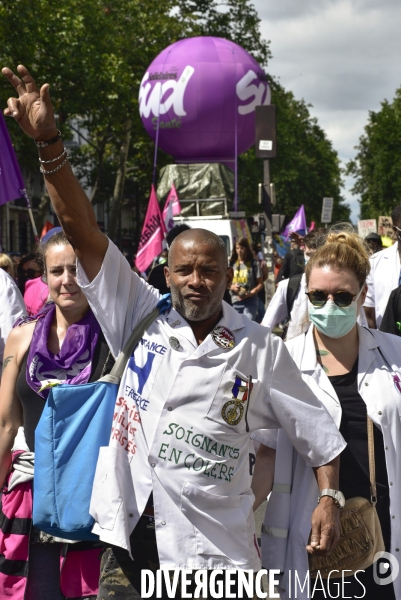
<point x="11" y="183"/>
<point x="46" y="228"/>
<point x="297" y="224"/>
<point x="171" y="209"/>
<point x="281" y="245"/>
<point x="152" y="236"/>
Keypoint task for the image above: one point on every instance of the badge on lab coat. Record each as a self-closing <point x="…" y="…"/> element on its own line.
<point x="223" y="337"/>
<point x="233" y="410"/>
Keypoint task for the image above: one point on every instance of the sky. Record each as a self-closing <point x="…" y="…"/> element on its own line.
<point x="341" y="56"/>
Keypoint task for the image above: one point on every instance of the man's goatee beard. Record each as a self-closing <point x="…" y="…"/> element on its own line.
<point x="192" y="312"/>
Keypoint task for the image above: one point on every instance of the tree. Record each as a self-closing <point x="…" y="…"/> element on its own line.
<point x="235" y="20"/>
<point x="306" y="168"/>
<point x="94" y="55"/>
<point x="377" y="165"/>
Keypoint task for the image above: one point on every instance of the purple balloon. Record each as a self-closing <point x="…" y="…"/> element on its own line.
<point x="203" y="90"/>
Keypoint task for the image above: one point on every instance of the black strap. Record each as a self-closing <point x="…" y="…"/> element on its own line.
<point x="293" y="285"/>
<point x="254" y="272"/>
<point x="18" y="568"/>
<point x="15" y="525"/>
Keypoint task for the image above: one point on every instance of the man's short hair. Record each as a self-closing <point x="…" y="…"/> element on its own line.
<point x="204" y="236"/>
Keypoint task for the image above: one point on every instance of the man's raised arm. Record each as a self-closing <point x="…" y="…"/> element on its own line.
<point x="33" y="111"/>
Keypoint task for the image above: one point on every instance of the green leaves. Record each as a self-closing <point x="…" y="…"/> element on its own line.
<point x="306" y="168"/>
<point x="235" y="20"/>
<point x="377" y="165"/>
<point x="94" y="54"/>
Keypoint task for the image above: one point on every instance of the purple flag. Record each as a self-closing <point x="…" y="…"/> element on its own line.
<point x="11" y="183"/>
<point x="297" y="224"/>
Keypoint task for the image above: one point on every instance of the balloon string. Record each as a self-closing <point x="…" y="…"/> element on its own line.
<point x="158" y="127"/>
<point x="235" y="141"/>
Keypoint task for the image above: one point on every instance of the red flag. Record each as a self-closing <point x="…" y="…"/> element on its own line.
<point x="46" y="227"/>
<point x="172" y="208"/>
<point x="151" y="242"/>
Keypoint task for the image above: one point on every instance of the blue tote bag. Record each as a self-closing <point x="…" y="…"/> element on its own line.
<point x="75" y="423"/>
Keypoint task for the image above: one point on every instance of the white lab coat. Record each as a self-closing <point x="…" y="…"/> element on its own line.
<point x="12" y="307"/>
<point x="383" y="278"/>
<point x="169" y="435"/>
<point x="294" y="496"/>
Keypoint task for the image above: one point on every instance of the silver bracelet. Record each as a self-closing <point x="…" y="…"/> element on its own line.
<point x="56" y="169"/>
<point x="47" y="162"/>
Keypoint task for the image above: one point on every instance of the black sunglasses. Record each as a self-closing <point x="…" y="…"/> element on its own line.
<point x="319" y="298"/>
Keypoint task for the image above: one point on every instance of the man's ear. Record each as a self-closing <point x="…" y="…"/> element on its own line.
<point x="167" y="276"/>
<point x="229" y="276"/>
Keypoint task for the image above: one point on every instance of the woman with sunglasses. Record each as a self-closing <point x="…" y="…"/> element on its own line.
<point x="354" y="372"/>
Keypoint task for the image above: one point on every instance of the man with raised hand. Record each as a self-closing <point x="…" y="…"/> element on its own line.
<point x="172" y="489"/>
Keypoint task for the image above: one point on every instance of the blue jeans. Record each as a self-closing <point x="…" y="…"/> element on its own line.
<point x="248" y="307"/>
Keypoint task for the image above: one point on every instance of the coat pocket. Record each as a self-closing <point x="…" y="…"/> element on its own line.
<point x="113" y="483"/>
<point x="234" y="404"/>
<point x="220" y="522"/>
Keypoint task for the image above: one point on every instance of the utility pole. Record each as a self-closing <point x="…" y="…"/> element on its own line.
<point x="265" y="148"/>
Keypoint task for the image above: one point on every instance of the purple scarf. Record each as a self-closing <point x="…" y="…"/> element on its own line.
<point x="72" y="364"/>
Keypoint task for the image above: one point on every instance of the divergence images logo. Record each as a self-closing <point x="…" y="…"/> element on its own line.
<point x="382" y="573"/>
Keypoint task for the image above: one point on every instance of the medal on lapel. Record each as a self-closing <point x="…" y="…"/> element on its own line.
<point x="223" y="337"/>
<point x="233" y="410"/>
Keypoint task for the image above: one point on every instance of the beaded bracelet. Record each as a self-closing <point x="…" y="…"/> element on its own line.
<point x="56" y="169"/>
<point x="47" y="162"/>
<point x="49" y="142"/>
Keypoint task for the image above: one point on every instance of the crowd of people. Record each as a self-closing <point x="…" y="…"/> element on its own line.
<point x="207" y="382"/>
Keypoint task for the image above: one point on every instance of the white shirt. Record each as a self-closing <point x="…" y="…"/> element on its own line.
<point x="277" y="311"/>
<point x="169" y="433"/>
<point x="12" y="307"/>
<point x="383" y="278"/>
<point x="295" y="490"/>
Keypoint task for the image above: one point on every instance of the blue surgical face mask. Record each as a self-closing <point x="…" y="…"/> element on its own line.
<point x="306" y="258"/>
<point x="333" y="321"/>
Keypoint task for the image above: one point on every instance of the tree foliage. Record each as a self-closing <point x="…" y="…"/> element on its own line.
<point x="377" y="165"/>
<point x="306" y="168"/>
<point x="94" y="54"/>
<point x="235" y="20"/>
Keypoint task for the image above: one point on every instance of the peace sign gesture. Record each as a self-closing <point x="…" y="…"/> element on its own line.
<point x="33" y="108"/>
